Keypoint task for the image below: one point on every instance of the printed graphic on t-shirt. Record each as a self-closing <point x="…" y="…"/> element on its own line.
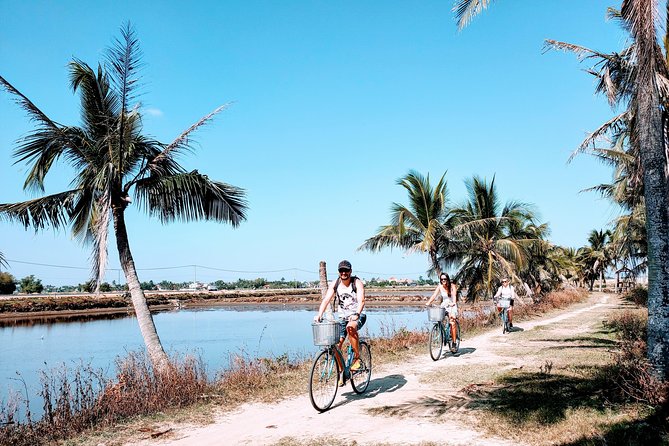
<point x="348" y="302"/>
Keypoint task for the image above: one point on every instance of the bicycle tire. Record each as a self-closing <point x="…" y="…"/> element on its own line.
<point x="454" y="345"/>
<point x="323" y="380"/>
<point x="360" y="378"/>
<point x="435" y="341"/>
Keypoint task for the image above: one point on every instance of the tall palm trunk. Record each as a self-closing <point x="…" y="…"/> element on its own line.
<point x="155" y="349"/>
<point x="656" y="190"/>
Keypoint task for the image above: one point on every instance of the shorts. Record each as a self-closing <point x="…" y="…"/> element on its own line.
<point x="451" y="311"/>
<point x="343" y="322"/>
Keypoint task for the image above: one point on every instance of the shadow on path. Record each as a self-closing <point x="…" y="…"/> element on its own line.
<point x="376" y="386"/>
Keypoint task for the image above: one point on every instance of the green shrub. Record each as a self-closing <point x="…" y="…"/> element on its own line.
<point x="7" y="283"/>
<point x="638" y="295"/>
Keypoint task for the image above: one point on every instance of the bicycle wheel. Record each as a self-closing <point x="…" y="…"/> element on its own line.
<point x="435" y="342"/>
<point x="454" y="345"/>
<point x="323" y="381"/>
<point x="360" y="378"/>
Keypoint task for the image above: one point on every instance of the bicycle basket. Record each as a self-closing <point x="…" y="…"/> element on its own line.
<point x="436" y="314"/>
<point x="325" y="333"/>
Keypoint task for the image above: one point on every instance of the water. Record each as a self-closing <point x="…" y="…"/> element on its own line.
<point x="215" y="334"/>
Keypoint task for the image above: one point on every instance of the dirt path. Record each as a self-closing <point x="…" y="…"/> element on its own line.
<point x="420" y="401"/>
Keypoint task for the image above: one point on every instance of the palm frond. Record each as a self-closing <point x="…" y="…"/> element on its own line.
<point x="466" y="10"/>
<point x="51" y="210"/>
<point x="182" y="141"/>
<point x="34" y="113"/>
<point x="191" y="197"/>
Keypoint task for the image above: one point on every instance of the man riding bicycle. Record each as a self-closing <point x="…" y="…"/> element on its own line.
<point x="504" y="298"/>
<point x="350" y="297"/>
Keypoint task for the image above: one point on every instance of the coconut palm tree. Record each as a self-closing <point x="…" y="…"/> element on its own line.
<point x="648" y="133"/>
<point x="596" y="257"/>
<point x="111" y="160"/>
<point x="492" y="238"/>
<point x="421" y="225"/>
<point x="3" y="261"/>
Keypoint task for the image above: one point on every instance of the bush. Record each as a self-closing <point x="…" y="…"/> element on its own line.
<point x="630" y="378"/>
<point x="638" y="295"/>
<point x="7" y="283"/>
<point x="30" y="284"/>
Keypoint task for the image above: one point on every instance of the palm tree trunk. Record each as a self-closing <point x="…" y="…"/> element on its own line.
<point x="154" y="347"/>
<point x="323" y="277"/>
<point x="656" y="190"/>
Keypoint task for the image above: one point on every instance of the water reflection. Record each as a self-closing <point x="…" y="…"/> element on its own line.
<point x="216" y="334"/>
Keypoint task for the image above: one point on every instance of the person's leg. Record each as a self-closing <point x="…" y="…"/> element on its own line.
<point x="352" y="331"/>
<point x="454" y="331"/>
<point x="342" y="337"/>
<point x="510" y="316"/>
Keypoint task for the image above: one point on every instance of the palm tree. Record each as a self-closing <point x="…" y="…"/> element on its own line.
<point x="421" y="225"/>
<point x="647" y="132"/>
<point x="492" y="239"/>
<point x="596" y="257"/>
<point x="111" y="160"/>
<point x="3" y="261"/>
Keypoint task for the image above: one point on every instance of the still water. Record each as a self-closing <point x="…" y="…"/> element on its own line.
<point x="215" y="334"/>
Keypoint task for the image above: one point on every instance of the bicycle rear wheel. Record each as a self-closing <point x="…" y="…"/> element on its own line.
<point x="360" y="378"/>
<point x="454" y="344"/>
<point x="323" y="381"/>
<point x="435" y="341"/>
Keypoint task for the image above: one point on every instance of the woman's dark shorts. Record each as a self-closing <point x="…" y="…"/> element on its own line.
<point x="344" y="322"/>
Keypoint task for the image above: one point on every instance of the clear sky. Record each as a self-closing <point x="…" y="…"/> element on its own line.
<point x="333" y="102"/>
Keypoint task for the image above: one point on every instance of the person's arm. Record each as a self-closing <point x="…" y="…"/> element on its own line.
<point x="498" y="293"/>
<point x="434" y="296"/>
<point x="454" y="294"/>
<point x="329" y="294"/>
<point x="360" y="291"/>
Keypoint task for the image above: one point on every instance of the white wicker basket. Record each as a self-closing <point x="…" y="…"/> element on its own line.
<point x="436" y="314"/>
<point x="325" y="333"/>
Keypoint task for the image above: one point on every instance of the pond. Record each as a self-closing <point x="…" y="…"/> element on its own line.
<point x="215" y="334"/>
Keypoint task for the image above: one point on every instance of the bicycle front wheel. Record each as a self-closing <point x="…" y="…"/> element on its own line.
<point x="323" y="381"/>
<point x="360" y="378"/>
<point x="435" y="342"/>
<point x="454" y="344"/>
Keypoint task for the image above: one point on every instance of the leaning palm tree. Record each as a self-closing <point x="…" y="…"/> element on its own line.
<point x="493" y="239"/>
<point x="111" y="160"/>
<point x="3" y="261"/>
<point x="421" y="225"/>
<point x="645" y="102"/>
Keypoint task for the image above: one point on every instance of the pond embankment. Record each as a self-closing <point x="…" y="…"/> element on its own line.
<point x="19" y="307"/>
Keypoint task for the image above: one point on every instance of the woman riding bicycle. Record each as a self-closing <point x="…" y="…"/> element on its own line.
<point x="448" y="292"/>
<point x="504" y="298"/>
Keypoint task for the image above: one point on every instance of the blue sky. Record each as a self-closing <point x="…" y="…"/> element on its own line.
<point x="332" y="103"/>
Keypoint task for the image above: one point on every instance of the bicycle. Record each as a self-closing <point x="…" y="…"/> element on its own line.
<point x="325" y="372"/>
<point x="504" y="316"/>
<point x="440" y="334"/>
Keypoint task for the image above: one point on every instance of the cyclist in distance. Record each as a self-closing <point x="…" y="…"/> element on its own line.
<point x="350" y="297"/>
<point x="504" y="297"/>
<point x="448" y="292"/>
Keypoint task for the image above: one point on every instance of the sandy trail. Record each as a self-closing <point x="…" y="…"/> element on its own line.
<point x="397" y="408"/>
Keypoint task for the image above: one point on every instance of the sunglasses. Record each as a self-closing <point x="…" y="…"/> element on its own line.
<point x="444" y="279"/>
<point x="341" y="271"/>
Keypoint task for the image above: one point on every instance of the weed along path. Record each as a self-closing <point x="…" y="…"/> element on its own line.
<point x="418" y="402"/>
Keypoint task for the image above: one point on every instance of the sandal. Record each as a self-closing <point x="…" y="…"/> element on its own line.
<point x="356" y="365"/>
